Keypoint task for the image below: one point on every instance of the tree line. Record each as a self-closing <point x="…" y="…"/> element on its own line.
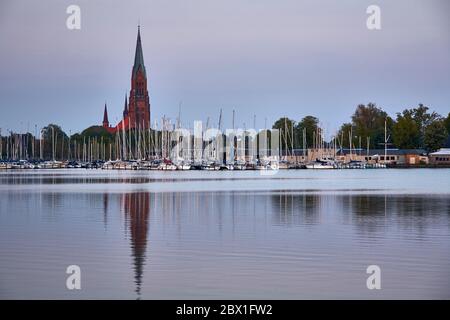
<point x="414" y="128"/>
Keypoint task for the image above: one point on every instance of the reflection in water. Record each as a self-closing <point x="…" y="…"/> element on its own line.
<point x="223" y="244"/>
<point x="105" y="209"/>
<point x="295" y="209"/>
<point x="136" y="207"/>
<point x="370" y="214"/>
<point x="375" y="213"/>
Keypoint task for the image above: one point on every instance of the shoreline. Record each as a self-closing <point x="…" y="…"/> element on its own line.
<point x="4" y="169"/>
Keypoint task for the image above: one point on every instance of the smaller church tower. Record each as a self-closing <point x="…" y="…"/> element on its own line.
<point x="105" y="118"/>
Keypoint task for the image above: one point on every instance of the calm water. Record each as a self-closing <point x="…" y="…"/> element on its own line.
<point x="187" y="235"/>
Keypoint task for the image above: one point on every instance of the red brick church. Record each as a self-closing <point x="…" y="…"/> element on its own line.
<point x="136" y="113"/>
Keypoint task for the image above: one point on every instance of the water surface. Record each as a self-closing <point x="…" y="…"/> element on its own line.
<point x="231" y="235"/>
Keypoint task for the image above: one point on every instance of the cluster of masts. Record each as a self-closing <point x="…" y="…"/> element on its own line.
<point x="171" y="147"/>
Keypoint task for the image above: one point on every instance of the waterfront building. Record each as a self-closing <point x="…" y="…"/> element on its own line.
<point x="389" y="156"/>
<point x="440" y="157"/>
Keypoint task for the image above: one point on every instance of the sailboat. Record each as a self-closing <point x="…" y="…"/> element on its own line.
<point x="320" y="164"/>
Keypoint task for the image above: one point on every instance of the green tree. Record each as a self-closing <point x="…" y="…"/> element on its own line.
<point x="368" y="122"/>
<point x="343" y="136"/>
<point x="423" y="119"/>
<point x="286" y="127"/>
<point x="309" y="123"/>
<point x="97" y="132"/>
<point x="447" y="123"/>
<point x="406" y="134"/>
<point x="55" y="142"/>
<point x="435" y="135"/>
<point x="76" y="137"/>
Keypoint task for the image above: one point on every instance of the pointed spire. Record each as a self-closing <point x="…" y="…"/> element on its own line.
<point x="125" y="108"/>
<point x="139" y="56"/>
<point x="105" y="117"/>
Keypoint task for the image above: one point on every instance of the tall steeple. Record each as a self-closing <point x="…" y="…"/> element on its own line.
<point x="125" y="108"/>
<point x="139" y="56"/>
<point x="105" y="118"/>
<point x="138" y="112"/>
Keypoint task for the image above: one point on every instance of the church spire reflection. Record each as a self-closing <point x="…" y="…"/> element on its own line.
<point x="105" y="209"/>
<point x="137" y="211"/>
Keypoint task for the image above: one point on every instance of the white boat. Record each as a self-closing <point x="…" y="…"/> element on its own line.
<point x="109" y="164"/>
<point x="317" y="165"/>
<point x="50" y="165"/>
<point x="183" y="165"/>
<point x="357" y="164"/>
<point x="224" y="167"/>
<point x="283" y="164"/>
<point x="239" y="165"/>
<point x="167" y="167"/>
<point x="320" y="164"/>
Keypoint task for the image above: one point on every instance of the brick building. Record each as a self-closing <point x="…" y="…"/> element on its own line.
<point x="136" y="113"/>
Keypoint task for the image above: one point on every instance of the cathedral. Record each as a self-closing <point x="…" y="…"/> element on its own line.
<point x="136" y="112"/>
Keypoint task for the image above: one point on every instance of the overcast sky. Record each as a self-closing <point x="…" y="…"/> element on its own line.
<point x="264" y="57"/>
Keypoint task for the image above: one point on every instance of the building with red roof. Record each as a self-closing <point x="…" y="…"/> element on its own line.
<point x="136" y="113"/>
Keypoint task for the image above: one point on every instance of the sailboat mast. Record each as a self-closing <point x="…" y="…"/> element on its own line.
<point x="385" y="141"/>
<point x="53" y="143"/>
<point x="292" y="138"/>
<point x="233" y="119"/>
<point x="220" y="119"/>
<point x="124" y="141"/>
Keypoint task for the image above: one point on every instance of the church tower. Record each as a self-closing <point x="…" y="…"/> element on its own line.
<point x="105" y="118"/>
<point x="138" y="112"/>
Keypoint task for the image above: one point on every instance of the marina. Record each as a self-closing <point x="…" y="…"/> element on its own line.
<point x="225" y="153"/>
<point x="167" y="165"/>
<point x="173" y="148"/>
